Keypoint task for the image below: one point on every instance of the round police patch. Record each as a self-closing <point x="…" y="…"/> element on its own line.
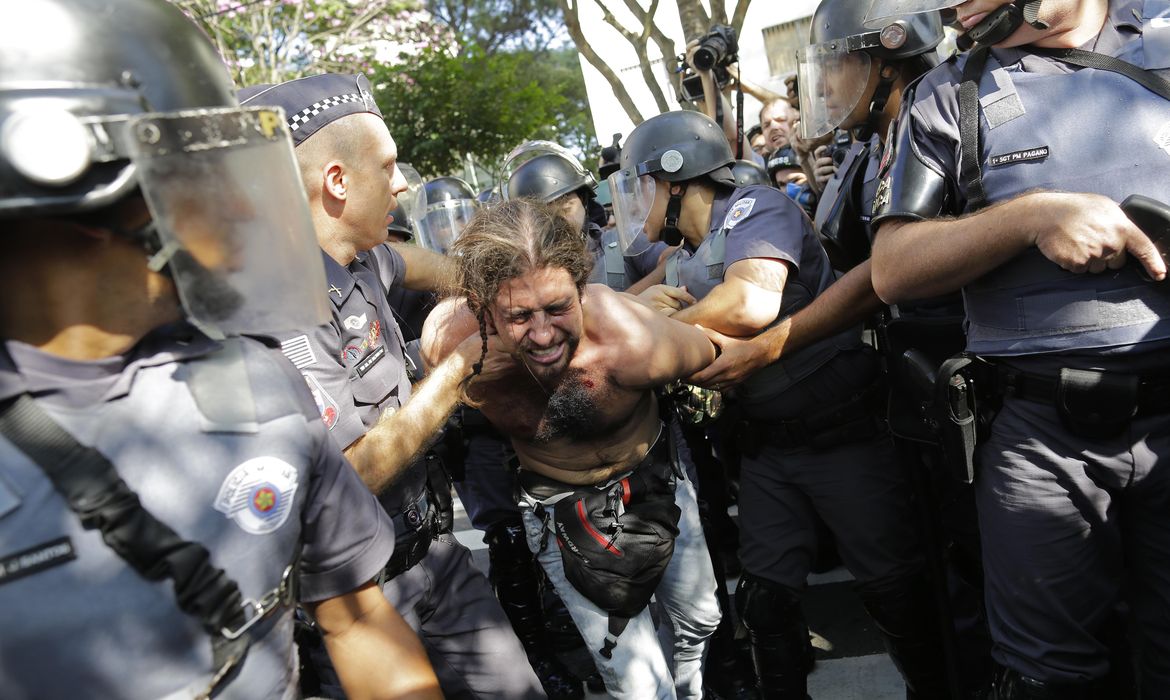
<point x="739" y="211"/>
<point x="672" y="161"/>
<point x="258" y="494"/>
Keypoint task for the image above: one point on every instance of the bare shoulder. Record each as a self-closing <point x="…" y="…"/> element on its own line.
<point x="448" y="324"/>
<point x="614" y="317"/>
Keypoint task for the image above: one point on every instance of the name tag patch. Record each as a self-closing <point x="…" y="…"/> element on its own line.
<point x="1038" y="153"/>
<point x="370" y="360"/>
<point x="34" y="559"/>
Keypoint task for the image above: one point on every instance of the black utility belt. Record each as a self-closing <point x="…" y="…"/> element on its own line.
<point x="1095" y="403"/>
<point x="851" y="421"/>
<point x="414" y="528"/>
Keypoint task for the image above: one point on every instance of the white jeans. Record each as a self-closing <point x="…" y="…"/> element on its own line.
<point x="640" y="668"/>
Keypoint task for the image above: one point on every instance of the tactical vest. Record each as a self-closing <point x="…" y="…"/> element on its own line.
<point x="1087" y="131"/>
<point x="609" y="265"/>
<point x="844" y="208"/>
<point x="703" y="270"/>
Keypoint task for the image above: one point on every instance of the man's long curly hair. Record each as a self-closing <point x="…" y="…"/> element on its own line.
<point x="508" y="240"/>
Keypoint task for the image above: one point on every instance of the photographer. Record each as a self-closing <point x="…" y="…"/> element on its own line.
<point x="709" y="58"/>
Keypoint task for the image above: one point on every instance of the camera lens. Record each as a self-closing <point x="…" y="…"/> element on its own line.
<point x="705" y="58"/>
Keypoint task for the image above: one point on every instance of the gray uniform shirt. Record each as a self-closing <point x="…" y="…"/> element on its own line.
<point x="85" y="623"/>
<point x="355" y="365"/>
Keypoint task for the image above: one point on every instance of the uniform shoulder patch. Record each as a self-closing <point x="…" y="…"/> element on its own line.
<point x="326" y="406"/>
<point x="299" y="351"/>
<point x="1162" y="138"/>
<point x="258" y="494"/>
<point x="739" y="211"/>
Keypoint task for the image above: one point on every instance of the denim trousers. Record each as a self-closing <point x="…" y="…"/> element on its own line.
<point x="647" y="663"/>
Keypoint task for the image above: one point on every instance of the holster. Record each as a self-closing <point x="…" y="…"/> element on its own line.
<point x="913" y="348"/>
<point x="963" y="382"/>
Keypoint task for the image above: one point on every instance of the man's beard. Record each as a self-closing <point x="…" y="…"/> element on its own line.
<point x="551" y="373"/>
<point x="208" y="290"/>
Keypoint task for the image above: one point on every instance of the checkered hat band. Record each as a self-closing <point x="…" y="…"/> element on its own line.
<point x="306" y="114"/>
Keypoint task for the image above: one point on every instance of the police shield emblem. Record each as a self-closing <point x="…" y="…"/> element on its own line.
<point x="258" y="494"/>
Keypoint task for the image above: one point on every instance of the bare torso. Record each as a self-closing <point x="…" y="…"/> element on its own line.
<point x="598" y="419"/>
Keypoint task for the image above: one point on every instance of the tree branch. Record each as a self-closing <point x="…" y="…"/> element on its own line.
<point x="573" y="24"/>
<point x="638" y="42"/>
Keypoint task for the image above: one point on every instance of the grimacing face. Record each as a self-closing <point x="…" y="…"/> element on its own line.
<point x="540" y="321"/>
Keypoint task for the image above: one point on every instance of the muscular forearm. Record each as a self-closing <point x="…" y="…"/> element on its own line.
<point x="426" y="270"/>
<point x="920" y="259"/>
<point x="382" y="454"/>
<point x="656" y="276"/>
<point x="731" y="313"/>
<point x="846" y="303"/>
<point x="376" y="654"/>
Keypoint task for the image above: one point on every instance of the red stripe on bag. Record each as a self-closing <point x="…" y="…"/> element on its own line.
<point x="601" y="539"/>
<point x="626" y="491"/>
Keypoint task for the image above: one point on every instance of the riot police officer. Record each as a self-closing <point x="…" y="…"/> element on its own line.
<point x="450" y="205"/>
<point x="356" y="367"/>
<point x="1004" y="179"/>
<point x="166" y="482"/>
<point x="753" y="259"/>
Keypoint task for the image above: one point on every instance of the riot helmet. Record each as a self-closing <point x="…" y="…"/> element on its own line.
<point x="399" y="224"/>
<point x="749" y="172"/>
<point x="676" y="148"/>
<point x="835" y="69"/>
<point x="997" y="26"/>
<point x="450" y="205"/>
<point x="548" y="177"/>
<point x="101" y="101"/>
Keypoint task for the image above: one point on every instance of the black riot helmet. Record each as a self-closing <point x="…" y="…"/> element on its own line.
<point x="548" y="177"/>
<point x="400" y="223"/>
<point x="71" y="71"/>
<point x="450" y="205"/>
<point x="749" y="172"/>
<point x="673" y="147"/>
<point x="101" y="100"/>
<point x="834" y="69"/>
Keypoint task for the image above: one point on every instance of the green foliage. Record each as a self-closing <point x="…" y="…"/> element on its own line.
<point x="440" y="106"/>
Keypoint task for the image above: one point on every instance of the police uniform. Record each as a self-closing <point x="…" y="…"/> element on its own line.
<point x="356" y="368"/>
<point x="1062" y="513"/>
<point x="223" y="445"/>
<point x="819" y="450"/>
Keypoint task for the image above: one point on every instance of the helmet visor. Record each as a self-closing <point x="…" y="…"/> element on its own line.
<point x="633" y="196"/>
<point x="414" y="200"/>
<point x="444" y="223"/>
<point x="832" y="81"/>
<point x="227" y="201"/>
<point x="881" y="12"/>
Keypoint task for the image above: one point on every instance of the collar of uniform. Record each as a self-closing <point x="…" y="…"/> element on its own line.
<point x="338" y="279"/>
<point x="724" y="198"/>
<point x="174" y="342"/>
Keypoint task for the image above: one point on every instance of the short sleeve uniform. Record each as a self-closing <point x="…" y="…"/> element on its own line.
<point x="85" y="621"/>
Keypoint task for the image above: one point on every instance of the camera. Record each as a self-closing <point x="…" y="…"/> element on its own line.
<point x="839" y="148"/>
<point x="718" y="48"/>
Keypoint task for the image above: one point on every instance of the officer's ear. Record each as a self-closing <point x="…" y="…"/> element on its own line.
<point x="335" y="180"/>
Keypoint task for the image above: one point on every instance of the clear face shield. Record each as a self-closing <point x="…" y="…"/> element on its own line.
<point x="414" y="200"/>
<point x="227" y="201"/>
<point x="444" y="222"/>
<point x="633" y="196"/>
<point x="882" y="12"/>
<point x="833" y="77"/>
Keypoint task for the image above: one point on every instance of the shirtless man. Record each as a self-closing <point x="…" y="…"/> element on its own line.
<point x="568" y="374"/>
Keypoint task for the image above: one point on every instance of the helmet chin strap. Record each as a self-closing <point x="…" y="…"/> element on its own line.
<point x="671" y="235"/>
<point x="887" y="74"/>
<point x="1005" y="20"/>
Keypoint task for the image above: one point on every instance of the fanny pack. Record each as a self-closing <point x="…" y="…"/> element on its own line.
<point x="616" y="541"/>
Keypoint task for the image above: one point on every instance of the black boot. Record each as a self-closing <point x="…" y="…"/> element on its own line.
<point x="905" y="615"/>
<point x="514" y="576"/>
<point x="778" y="635"/>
